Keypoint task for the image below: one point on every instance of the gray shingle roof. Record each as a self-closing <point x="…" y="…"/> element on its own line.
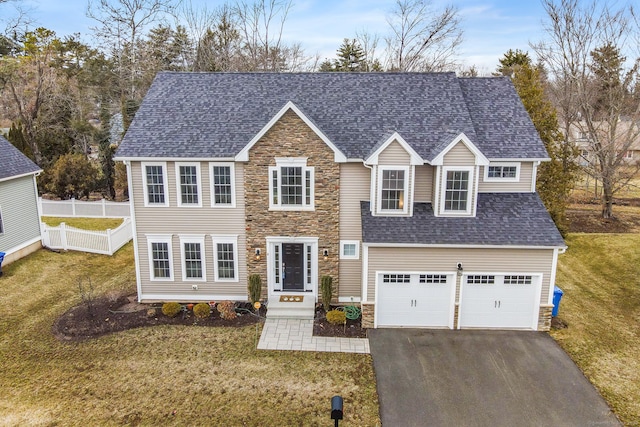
<point x="13" y="162"/>
<point x="499" y="119"/>
<point x="205" y="115"/>
<point x="509" y="219"/>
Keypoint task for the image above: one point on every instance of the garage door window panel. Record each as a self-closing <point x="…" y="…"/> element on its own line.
<point x="481" y="279"/>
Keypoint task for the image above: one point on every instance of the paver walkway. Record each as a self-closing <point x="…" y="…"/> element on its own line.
<point x="295" y="334"/>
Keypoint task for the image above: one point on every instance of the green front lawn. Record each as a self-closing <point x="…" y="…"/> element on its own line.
<point x="600" y="276"/>
<point x="167" y="375"/>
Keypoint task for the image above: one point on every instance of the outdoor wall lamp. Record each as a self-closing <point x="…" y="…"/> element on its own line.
<point x="258" y="254"/>
<point x="325" y="254"/>
<point x="460" y="269"/>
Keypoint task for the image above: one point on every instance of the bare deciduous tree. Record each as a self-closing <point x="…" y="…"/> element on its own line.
<point x="122" y="23"/>
<point x="422" y="38"/>
<point x="596" y="99"/>
<point x="261" y="24"/>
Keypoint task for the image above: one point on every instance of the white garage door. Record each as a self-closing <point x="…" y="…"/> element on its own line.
<point x="499" y="301"/>
<point x="415" y="300"/>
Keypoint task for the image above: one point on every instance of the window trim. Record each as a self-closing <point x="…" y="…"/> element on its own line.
<point x="160" y="238"/>
<point x="470" y="190"/>
<point x="344" y="243"/>
<point x="179" y="185"/>
<point x="407" y="178"/>
<point x="232" y="172"/>
<point x="165" y="184"/>
<point x="501" y="179"/>
<point x="296" y="162"/>
<point x="225" y="239"/>
<point x="203" y="257"/>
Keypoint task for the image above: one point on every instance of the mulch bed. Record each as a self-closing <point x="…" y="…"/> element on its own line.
<point x="119" y="313"/>
<point x="114" y="314"/>
<point x="322" y="328"/>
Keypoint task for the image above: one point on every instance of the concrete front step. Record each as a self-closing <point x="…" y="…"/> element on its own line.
<point x="305" y="309"/>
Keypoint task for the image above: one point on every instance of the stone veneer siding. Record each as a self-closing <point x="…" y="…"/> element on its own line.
<point x="291" y="137"/>
<point x="368" y="314"/>
<point x="544" y="320"/>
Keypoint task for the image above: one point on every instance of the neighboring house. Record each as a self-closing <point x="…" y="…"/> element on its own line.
<point x="19" y="212"/>
<point x="415" y="192"/>
<point x="626" y="130"/>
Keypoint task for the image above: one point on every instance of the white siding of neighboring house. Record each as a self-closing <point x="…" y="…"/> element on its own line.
<point x="354" y="188"/>
<point x="21" y="221"/>
<point x="176" y="221"/>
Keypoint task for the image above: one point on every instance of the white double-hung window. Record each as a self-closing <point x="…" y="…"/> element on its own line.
<point x="160" y="257"/>
<point x="225" y="256"/>
<point x="457" y="186"/>
<point x="393" y="189"/>
<point x="291" y="184"/>
<point x="222" y="185"/>
<point x="154" y="176"/>
<point x="193" y="258"/>
<point x="188" y="180"/>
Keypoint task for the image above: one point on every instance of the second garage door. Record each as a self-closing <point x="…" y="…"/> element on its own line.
<point x="415" y="300"/>
<point x="499" y="301"/>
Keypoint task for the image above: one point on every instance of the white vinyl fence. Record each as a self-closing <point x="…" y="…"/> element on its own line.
<point x="79" y="208"/>
<point x="99" y="242"/>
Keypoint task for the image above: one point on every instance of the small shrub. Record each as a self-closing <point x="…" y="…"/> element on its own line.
<point x="202" y="310"/>
<point x="326" y="287"/>
<point x="227" y="310"/>
<point x="255" y="287"/>
<point x="336" y="317"/>
<point x="171" y="309"/>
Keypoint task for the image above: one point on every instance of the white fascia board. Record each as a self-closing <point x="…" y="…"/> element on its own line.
<point x="243" y="155"/>
<point x="481" y="160"/>
<point x="9" y="178"/>
<point x="453" y="246"/>
<point x="416" y="159"/>
<point x="522" y="160"/>
<point x="174" y="159"/>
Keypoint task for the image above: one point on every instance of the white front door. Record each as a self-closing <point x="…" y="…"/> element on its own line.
<point x="504" y="301"/>
<point x="292" y="264"/>
<point x="415" y="300"/>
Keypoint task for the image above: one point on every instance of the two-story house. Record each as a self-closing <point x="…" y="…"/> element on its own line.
<point x="415" y="192"/>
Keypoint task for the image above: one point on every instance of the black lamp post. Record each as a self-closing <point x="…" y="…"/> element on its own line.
<point x="336" y="409"/>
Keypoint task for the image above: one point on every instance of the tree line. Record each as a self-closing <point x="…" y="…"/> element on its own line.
<point x="68" y="103"/>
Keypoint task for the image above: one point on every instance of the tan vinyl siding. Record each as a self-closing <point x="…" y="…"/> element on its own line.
<point x="19" y="207"/>
<point x="478" y="260"/>
<point x="394" y="154"/>
<point x="424" y="183"/>
<point x="459" y="155"/>
<point x="176" y="221"/>
<point x="354" y="188"/>
<point x="522" y="186"/>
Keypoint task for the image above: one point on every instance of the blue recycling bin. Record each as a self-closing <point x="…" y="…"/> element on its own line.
<point x="557" y="296"/>
<point x="2" y="254"/>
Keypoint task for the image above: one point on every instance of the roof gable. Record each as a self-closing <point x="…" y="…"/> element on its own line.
<point x="13" y="163"/>
<point x="415" y="157"/>
<point x="243" y="155"/>
<point x="481" y="160"/>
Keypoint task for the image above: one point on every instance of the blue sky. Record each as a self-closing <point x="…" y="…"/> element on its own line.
<point x="491" y="27"/>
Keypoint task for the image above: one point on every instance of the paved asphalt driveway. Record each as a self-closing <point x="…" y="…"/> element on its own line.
<point x="481" y="378"/>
